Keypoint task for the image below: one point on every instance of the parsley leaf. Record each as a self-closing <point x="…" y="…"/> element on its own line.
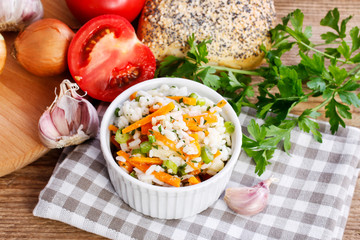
<point x="331" y="75"/>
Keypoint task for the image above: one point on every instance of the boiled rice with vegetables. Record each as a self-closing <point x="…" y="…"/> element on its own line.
<point x="170" y="137"/>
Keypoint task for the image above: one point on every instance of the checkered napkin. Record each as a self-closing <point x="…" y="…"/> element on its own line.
<point x="311" y="200"/>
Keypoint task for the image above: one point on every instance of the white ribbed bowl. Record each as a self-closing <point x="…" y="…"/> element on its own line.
<point x="169" y="202"/>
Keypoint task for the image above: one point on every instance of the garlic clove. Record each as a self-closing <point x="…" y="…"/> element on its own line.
<point x="248" y="201"/>
<point x="70" y="120"/>
<point x="58" y="117"/>
<point x="46" y="125"/>
<point x="89" y="119"/>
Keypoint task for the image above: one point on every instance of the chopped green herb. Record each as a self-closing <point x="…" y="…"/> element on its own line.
<point x="133" y="174"/>
<point x="116" y="113"/>
<point x="181" y="170"/>
<point x="332" y="75"/>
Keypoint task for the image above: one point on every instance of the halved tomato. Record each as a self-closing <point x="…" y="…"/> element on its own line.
<point x="105" y="57"/>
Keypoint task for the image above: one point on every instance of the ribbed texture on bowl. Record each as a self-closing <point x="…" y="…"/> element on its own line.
<point x="166" y="205"/>
<point x="169" y="202"/>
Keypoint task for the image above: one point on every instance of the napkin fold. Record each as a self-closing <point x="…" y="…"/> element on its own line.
<point x="311" y="200"/>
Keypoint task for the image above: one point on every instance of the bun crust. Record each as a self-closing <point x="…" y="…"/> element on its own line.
<point x="237" y="29"/>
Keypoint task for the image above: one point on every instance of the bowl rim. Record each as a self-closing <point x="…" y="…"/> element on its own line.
<point x="179" y="82"/>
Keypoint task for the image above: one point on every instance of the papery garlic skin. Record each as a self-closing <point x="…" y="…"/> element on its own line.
<point x="16" y="14"/>
<point x="70" y="120"/>
<point x="248" y="201"/>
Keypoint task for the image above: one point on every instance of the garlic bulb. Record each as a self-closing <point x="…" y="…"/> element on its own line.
<point x="70" y="120"/>
<point x="16" y="14"/>
<point x="248" y="200"/>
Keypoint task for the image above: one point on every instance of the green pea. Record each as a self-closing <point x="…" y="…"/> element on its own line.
<point x="171" y="165"/>
<point x="136" y="151"/>
<point x="152" y="138"/>
<point x="145" y="147"/>
<point x="121" y="138"/>
<point x="206" y="155"/>
<point x="229" y="127"/>
<point x="200" y="102"/>
<point x="194" y="95"/>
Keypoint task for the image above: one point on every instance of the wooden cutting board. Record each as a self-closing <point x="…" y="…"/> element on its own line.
<point x="23" y="98"/>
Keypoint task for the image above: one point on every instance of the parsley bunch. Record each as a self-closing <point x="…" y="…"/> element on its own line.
<point x="331" y="75"/>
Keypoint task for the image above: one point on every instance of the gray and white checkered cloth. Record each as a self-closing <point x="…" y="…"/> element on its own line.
<point x="311" y="200"/>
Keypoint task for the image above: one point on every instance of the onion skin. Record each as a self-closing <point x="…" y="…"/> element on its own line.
<point x="42" y="47"/>
<point x="2" y="53"/>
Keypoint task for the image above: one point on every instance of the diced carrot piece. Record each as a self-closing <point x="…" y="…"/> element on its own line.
<point x="126" y="165"/>
<point x="196" y="142"/>
<point x="123" y="154"/>
<point x="193" y="180"/>
<point x="217" y="154"/>
<point x="133" y="96"/>
<point x="114" y="142"/>
<point x="141" y="166"/>
<point x="145" y="128"/>
<point x="167" y="178"/>
<point x="193" y="122"/>
<point x="198" y="178"/>
<point x="221" y="103"/>
<point x="113" y="128"/>
<point x="147" y="160"/>
<point x="196" y="172"/>
<point x="163" y="110"/>
<point x="171" y="144"/>
<point x="186" y="100"/>
<point x="162" y="176"/>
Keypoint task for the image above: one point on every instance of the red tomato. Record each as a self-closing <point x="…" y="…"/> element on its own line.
<point x="85" y="10"/>
<point x="105" y="57"/>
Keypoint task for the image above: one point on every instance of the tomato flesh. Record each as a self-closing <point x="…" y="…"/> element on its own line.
<point x="105" y="57"/>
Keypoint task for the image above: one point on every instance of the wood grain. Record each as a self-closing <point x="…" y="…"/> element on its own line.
<point x="19" y="191"/>
<point x="23" y="98"/>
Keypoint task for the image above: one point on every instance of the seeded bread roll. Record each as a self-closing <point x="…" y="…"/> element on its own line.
<point x="237" y="28"/>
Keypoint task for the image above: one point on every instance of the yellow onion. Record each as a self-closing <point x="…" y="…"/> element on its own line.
<point x="42" y="47"/>
<point x="2" y="53"/>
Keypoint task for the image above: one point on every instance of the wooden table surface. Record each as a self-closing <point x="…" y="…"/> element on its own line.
<point x="19" y="190"/>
